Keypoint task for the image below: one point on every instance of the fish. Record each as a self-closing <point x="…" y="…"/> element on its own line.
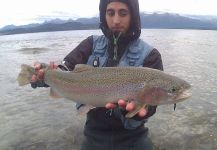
<point x="97" y="86"/>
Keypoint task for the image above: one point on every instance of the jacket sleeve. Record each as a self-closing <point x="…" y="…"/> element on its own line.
<point x="153" y="60"/>
<point x="80" y="54"/>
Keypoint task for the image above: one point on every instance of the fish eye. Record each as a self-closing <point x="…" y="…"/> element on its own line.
<point x="173" y="90"/>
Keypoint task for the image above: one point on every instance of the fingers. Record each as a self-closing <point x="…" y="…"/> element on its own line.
<point x="52" y="65"/>
<point x="37" y="65"/>
<point x="37" y="80"/>
<point x="40" y="74"/>
<point x="130" y="106"/>
<point x="122" y="103"/>
<point x="110" y="105"/>
<point x="143" y="112"/>
<point x="34" y="78"/>
<point x="40" y="71"/>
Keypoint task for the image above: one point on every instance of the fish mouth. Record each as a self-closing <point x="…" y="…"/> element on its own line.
<point x="183" y="95"/>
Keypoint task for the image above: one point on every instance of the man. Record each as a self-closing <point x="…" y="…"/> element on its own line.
<point x="106" y="127"/>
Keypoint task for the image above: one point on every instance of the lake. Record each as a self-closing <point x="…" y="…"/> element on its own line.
<point x="30" y="119"/>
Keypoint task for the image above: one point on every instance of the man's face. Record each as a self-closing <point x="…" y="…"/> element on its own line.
<point x="118" y="17"/>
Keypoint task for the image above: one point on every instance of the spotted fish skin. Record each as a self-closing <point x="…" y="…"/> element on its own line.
<point x="100" y="85"/>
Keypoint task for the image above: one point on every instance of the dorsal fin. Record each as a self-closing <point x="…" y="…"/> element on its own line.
<point x="82" y="67"/>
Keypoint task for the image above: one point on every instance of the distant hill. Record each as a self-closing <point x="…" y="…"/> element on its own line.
<point x="148" y="20"/>
<point x="47" y="27"/>
<point x="175" y="21"/>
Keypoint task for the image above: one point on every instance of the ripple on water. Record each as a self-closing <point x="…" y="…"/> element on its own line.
<point x="190" y="128"/>
<point x="33" y="50"/>
<point x="30" y="120"/>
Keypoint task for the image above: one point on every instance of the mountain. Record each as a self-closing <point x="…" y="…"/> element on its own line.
<point x="174" y="21"/>
<point x="148" y="20"/>
<point x="88" y="20"/>
<point x="57" y="21"/>
<point x="50" y="26"/>
<point x="206" y="18"/>
<point x="13" y="27"/>
<point x="8" y="27"/>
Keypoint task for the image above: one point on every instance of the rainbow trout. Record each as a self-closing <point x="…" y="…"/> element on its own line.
<point x="98" y="86"/>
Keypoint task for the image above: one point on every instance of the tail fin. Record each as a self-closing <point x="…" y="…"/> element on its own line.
<point x="25" y="74"/>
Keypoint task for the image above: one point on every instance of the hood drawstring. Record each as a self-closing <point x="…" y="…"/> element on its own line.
<point x="115" y="42"/>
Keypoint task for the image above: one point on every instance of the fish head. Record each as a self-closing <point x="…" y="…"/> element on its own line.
<point x="165" y="90"/>
<point x="177" y="90"/>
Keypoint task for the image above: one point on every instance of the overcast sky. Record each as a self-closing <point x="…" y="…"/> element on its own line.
<point x="20" y="12"/>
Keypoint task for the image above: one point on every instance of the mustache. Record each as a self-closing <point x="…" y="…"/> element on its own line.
<point x="117" y="28"/>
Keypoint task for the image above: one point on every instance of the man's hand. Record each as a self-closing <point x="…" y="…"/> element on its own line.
<point x="37" y="79"/>
<point x="128" y="106"/>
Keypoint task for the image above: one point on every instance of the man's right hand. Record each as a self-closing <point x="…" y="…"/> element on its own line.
<point x="37" y="79"/>
<point x="128" y="107"/>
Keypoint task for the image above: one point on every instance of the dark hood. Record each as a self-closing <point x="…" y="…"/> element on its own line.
<point x="135" y="26"/>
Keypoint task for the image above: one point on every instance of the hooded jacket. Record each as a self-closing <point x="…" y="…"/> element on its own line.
<point x="135" y="26"/>
<point x="102" y="124"/>
<point x="102" y="127"/>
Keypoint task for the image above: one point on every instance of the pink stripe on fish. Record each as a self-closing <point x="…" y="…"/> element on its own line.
<point x="69" y="87"/>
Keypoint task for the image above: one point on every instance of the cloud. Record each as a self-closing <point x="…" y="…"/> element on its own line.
<point x="56" y="14"/>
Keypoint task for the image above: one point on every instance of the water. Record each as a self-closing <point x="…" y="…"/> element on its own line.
<point x="30" y="119"/>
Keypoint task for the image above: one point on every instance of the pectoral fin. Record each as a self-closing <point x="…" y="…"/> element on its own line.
<point x="85" y="109"/>
<point x="53" y="94"/>
<point x="135" y="111"/>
